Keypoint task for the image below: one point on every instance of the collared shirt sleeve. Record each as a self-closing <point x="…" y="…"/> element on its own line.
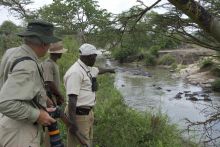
<point x="73" y="83"/>
<point x="19" y="110"/>
<point x="94" y="71"/>
<point x="48" y="71"/>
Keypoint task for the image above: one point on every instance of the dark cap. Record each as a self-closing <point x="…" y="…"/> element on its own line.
<point x="43" y="30"/>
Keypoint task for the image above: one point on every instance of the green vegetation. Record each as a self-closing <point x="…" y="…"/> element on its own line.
<point x="149" y="59"/>
<point x="216" y="70"/>
<point x="8" y="37"/>
<point x="167" y="59"/>
<point x="216" y="85"/>
<point x="122" y="54"/>
<point x="206" y="63"/>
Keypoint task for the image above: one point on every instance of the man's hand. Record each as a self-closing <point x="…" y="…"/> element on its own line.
<point x="44" y="118"/>
<point x="49" y="103"/>
<point x="60" y="101"/>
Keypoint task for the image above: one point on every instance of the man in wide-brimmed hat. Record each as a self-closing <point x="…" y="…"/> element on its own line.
<point x="52" y="77"/>
<point x="51" y="73"/>
<point x="22" y="88"/>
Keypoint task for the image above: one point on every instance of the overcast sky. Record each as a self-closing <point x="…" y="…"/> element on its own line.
<point x="114" y="6"/>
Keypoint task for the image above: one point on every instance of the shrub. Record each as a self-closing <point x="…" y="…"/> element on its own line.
<point x="122" y="53"/>
<point x="216" y="70"/>
<point x="154" y="50"/>
<point x="216" y="85"/>
<point x="206" y="63"/>
<point x="167" y="59"/>
<point x="149" y="59"/>
<point x="174" y="65"/>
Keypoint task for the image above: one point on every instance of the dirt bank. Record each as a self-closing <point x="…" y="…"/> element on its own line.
<point x="194" y="75"/>
<point x="187" y="56"/>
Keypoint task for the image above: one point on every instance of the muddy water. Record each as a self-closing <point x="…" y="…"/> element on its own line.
<point x="156" y="93"/>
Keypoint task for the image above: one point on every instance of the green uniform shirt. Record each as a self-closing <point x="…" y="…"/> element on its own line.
<point x="51" y="72"/>
<point x="19" y="87"/>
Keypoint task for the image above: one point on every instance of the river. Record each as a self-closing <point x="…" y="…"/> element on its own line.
<point x="156" y="93"/>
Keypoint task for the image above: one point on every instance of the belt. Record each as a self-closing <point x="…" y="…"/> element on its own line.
<point x="83" y="110"/>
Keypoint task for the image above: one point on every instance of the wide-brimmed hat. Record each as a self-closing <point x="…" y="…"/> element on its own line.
<point x="57" y="48"/>
<point x="43" y="30"/>
<point x="88" y="49"/>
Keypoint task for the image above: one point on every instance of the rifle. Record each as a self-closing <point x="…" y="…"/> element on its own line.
<point x="81" y="138"/>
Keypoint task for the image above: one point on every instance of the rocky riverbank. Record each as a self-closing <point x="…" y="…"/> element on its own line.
<point x="192" y="74"/>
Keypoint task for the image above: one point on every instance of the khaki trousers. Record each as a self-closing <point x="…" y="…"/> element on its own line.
<point x="18" y="133"/>
<point x="85" y="124"/>
<point x="46" y="138"/>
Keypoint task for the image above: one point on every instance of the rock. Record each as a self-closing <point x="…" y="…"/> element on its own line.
<point x="207" y="99"/>
<point x="192" y="98"/>
<point x="178" y="96"/>
<point x="186" y="91"/>
<point x="158" y="88"/>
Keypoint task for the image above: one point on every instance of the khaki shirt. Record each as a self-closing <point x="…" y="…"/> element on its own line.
<point x="77" y="82"/>
<point x="51" y="72"/>
<point x="19" y="87"/>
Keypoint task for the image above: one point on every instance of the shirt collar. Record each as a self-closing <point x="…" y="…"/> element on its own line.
<point x="83" y="64"/>
<point x="30" y="51"/>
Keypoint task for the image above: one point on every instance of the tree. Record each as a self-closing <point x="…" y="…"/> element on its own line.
<point x="8" y="37"/>
<point x="19" y="7"/>
<point x="199" y="15"/>
<point x="83" y="18"/>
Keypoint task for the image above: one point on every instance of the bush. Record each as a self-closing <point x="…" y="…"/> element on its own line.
<point x="167" y="60"/>
<point x="149" y="59"/>
<point x="206" y="63"/>
<point x="216" y="70"/>
<point x="216" y="85"/>
<point x="154" y="50"/>
<point x="122" y="54"/>
<point x="174" y="65"/>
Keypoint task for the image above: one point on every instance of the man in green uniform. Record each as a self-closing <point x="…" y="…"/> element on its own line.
<point x="51" y="73"/>
<point x="52" y="78"/>
<point x="22" y="88"/>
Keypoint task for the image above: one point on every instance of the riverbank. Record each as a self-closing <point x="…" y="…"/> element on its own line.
<point x="117" y="124"/>
<point x="193" y="75"/>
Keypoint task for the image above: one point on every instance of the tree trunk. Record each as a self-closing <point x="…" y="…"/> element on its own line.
<point x="199" y="15"/>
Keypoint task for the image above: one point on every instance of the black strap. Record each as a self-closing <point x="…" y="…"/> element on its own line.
<point x="35" y="102"/>
<point x="23" y="59"/>
<point x="87" y="72"/>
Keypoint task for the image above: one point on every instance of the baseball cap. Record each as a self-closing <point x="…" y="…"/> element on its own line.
<point x="88" y="49"/>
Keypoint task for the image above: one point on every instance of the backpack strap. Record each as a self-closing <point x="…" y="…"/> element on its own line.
<point x="23" y="59"/>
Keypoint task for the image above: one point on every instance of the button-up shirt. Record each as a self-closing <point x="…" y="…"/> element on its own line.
<point x="78" y="82"/>
<point x="19" y="86"/>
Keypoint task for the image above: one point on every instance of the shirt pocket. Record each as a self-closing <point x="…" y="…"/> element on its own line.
<point x="86" y="83"/>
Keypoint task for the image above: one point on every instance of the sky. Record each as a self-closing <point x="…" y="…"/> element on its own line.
<point x="114" y="6"/>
